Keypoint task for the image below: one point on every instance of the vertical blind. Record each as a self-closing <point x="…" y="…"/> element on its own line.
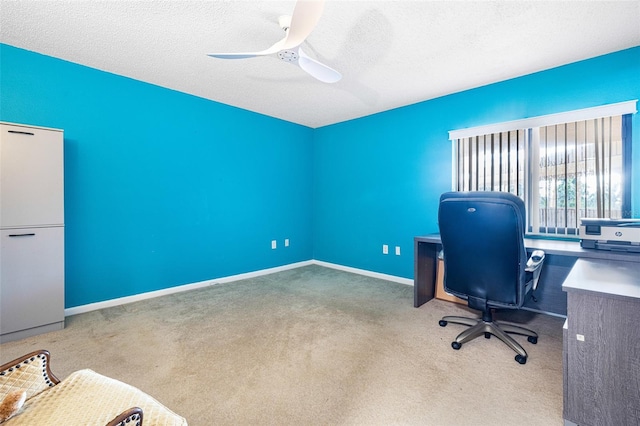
<point x="494" y="162"/>
<point x="563" y="172"/>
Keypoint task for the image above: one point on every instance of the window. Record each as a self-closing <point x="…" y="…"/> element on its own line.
<point x="565" y="166"/>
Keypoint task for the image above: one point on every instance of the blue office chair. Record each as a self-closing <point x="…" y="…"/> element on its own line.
<point x="485" y="262"/>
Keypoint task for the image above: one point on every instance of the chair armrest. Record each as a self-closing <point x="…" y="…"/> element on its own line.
<point x="534" y="265"/>
<point x="30" y="373"/>
<point x="130" y="417"/>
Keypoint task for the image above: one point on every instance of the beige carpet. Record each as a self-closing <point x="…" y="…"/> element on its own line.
<point x="312" y="346"/>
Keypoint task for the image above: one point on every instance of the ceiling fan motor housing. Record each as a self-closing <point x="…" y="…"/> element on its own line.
<point x="288" y="55"/>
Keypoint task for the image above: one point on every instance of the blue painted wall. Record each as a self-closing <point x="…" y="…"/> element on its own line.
<point x="162" y="188"/>
<point x="377" y="179"/>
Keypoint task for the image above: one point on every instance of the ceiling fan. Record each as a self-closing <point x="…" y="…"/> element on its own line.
<point x="297" y="28"/>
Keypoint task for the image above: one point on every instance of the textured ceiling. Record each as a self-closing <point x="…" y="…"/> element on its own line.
<point x="390" y="53"/>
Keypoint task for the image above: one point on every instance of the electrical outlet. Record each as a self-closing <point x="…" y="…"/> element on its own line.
<point x="286" y="242"/>
<point x="274" y="244"/>
<point x="397" y="250"/>
<point x="385" y="249"/>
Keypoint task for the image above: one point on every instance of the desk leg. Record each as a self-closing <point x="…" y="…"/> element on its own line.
<point x="424" y="273"/>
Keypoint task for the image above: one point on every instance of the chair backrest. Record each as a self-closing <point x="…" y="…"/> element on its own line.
<point x="483" y="244"/>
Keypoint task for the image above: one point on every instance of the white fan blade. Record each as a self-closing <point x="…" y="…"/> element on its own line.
<point x="233" y="55"/>
<point x="316" y="69"/>
<point x="306" y="15"/>
<point x="273" y="49"/>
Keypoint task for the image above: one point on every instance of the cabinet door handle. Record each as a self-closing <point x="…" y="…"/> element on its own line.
<point x="22" y="235"/>
<point x="21" y="133"/>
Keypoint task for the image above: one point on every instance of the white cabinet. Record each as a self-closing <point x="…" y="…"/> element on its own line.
<point x="31" y="231"/>
<point x="32" y="265"/>
<point x="31" y="177"/>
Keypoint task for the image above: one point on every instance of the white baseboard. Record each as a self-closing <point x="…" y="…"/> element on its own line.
<point x="178" y="289"/>
<point x="193" y="286"/>
<point x="364" y="272"/>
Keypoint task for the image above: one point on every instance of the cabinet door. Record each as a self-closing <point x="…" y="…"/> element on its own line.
<point x="603" y="374"/>
<point x="31" y="278"/>
<point x="31" y="177"/>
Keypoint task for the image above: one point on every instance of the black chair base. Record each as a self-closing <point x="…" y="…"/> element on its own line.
<point x="479" y="327"/>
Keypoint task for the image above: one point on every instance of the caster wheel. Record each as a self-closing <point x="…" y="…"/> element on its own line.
<point x="442" y="323"/>
<point x="532" y="339"/>
<point x="487" y="335"/>
<point x="456" y="345"/>
<point x="521" y="359"/>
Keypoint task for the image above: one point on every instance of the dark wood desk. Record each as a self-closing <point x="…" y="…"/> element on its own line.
<point x="601" y="350"/>
<point x="549" y="297"/>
